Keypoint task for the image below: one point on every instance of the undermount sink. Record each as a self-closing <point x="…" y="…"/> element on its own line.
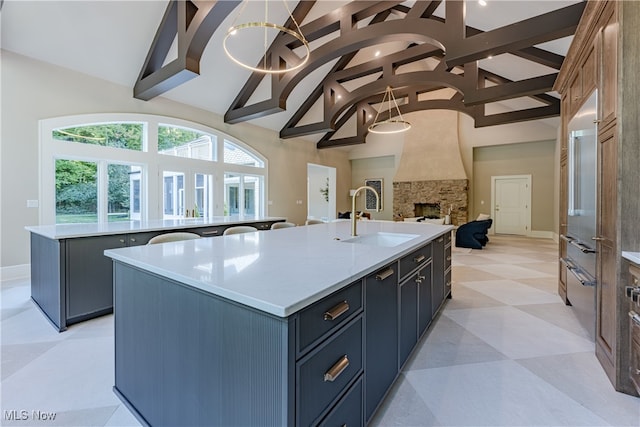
<point x="381" y="239"/>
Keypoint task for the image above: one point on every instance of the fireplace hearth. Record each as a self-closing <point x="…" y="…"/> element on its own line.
<point x="431" y="198"/>
<point x="428" y="210"/>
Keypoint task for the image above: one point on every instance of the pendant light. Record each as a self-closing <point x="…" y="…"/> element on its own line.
<point x="389" y="125"/>
<point x="266" y="26"/>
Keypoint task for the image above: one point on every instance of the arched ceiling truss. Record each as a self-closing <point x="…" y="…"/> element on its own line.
<point x="447" y="42"/>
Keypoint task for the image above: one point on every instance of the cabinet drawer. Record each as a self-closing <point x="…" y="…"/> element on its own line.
<point x="316" y="321"/>
<point x="634" y="368"/>
<point x="324" y="374"/>
<point x="208" y="231"/>
<point x="415" y="259"/>
<point x="348" y="412"/>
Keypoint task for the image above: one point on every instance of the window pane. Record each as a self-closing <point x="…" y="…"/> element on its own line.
<point x="118" y="135"/>
<point x="231" y="194"/>
<point x="252" y="193"/>
<point x="189" y="143"/>
<point x="173" y="195"/>
<point x="123" y="188"/>
<point x="76" y="192"/>
<point x="237" y="156"/>
<point x="203" y="195"/>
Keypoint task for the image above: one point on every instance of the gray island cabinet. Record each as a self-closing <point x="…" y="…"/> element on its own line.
<point x="296" y="327"/>
<point x="71" y="279"/>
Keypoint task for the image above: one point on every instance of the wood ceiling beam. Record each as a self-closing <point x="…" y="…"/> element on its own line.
<point x="518" y="116"/>
<point x="192" y="23"/>
<point x="511" y="90"/>
<point x="539" y="29"/>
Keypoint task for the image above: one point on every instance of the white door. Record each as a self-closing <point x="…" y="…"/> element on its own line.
<point x="512" y="204"/>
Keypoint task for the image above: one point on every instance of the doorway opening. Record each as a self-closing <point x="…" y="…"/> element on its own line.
<point x="321" y="192"/>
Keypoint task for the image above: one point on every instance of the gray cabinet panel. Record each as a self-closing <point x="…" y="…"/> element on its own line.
<point x="408" y="328"/>
<point x="47" y="278"/>
<point x="325" y="373"/>
<point x="319" y="319"/>
<point x="438" y="282"/>
<point x="184" y="357"/>
<point x="415" y="259"/>
<point x="381" y="330"/>
<point x="348" y="412"/>
<point x="425" y="309"/>
<point x="89" y="274"/>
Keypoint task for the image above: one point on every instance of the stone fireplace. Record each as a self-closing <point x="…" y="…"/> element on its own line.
<point x="435" y="197"/>
<point x="429" y="210"/>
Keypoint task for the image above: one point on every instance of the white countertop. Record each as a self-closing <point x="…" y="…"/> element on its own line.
<point x="277" y="271"/>
<point x="67" y="231"/>
<point x="631" y="256"/>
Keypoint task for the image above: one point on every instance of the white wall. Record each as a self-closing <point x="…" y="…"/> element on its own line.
<point x="33" y="90"/>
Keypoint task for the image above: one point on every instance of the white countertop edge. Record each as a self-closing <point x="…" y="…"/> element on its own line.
<point x="634" y="257"/>
<point x="71" y="231"/>
<point x="279" y="310"/>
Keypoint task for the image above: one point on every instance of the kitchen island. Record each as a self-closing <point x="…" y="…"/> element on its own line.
<point x="297" y="326"/>
<point x="71" y="279"/>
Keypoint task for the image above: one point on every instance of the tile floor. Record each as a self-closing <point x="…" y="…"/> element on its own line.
<point x="505" y="351"/>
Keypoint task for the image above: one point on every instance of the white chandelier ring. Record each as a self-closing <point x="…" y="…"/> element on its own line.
<point x="389" y="125"/>
<point x="378" y="127"/>
<point x="267" y="25"/>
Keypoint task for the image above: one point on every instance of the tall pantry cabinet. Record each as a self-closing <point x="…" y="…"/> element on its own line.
<point x="605" y="55"/>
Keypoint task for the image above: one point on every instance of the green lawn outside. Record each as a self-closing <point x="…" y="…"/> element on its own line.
<point x="88" y="218"/>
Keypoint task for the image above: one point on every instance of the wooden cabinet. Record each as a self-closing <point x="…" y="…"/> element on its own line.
<point x="562" y="214"/>
<point x="633" y="293"/>
<point x="381" y="343"/>
<point x="607" y="37"/>
<point x="606" y="273"/>
<point x="583" y="82"/>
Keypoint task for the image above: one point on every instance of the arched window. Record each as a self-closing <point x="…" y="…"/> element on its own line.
<point x="123" y="167"/>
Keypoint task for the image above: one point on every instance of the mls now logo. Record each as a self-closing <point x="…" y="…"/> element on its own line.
<point x="23" y="415"/>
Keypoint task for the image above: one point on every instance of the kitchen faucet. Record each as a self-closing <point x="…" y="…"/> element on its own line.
<point x="353" y="206"/>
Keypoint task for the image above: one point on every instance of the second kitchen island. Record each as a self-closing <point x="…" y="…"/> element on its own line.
<point x="299" y="326"/>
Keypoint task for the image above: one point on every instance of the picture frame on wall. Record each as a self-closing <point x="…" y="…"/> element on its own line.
<point x="370" y="198"/>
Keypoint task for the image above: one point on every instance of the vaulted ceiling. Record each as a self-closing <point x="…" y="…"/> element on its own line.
<point x="435" y="54"/>
<point x="431" y="61"/>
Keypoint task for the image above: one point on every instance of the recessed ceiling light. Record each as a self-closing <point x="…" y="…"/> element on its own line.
<point x="489" y="57"/>
<point x="339" y="96"/>
<point x="377" y="53"/>
<point x="482" y="2"/>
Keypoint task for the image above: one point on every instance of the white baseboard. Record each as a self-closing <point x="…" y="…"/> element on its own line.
<point x="14" y="272"/>
<point x="543" y="235"/>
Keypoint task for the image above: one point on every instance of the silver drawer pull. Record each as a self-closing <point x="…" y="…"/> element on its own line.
<point x="209" y="233"/>
<point x="334" y="372"/>
<point x="336" y="311"/>
<point x="121" y="240"/>
<point x="419" y="258"/>
<point x="448" y="258"/>
<point x="440" y="240"/>
<point x="381" y="276"/>
<point x="635" y="317"/>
